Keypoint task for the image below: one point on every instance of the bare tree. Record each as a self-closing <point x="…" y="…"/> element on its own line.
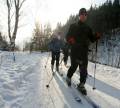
<point x="14" y="7"/>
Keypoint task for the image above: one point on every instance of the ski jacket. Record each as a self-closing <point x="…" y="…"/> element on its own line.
<point x="80" y="34"/>
<point x="55" y="45"/>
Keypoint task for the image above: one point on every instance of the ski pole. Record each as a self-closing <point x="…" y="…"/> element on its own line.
<point x="47" y="60"/>
<point x="1" y="56"/>
<point x="50" y="81"/>
<point x="13" y="56"/>
<point x="60" y="64"/>
<point x="95" y="66"/>
<point x="61" y="61"/>
<point x="53" y="74"/>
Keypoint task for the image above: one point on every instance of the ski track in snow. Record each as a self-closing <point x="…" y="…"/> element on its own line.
<point x="23" y="84"/>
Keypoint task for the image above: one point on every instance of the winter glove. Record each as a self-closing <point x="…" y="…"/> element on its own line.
<point x="71" y="40"/>
<point x="98" y="35"/>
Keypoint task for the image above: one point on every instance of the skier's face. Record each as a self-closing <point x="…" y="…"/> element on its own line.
<point x="83" y="17"/>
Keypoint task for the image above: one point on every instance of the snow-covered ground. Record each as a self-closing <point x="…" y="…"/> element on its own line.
<point x="23" y="83"/>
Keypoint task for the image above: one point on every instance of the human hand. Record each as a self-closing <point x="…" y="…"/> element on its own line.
<point x="98" y="35"/>
<point x="71" y="40"/>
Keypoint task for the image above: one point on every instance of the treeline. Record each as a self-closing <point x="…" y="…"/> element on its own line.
<point x="104" y="19"/>
<point x="40" y="38"/>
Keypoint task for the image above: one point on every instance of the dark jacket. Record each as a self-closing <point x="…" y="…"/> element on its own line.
<point x="79" y="36"/>
<point x="55" y="45"/>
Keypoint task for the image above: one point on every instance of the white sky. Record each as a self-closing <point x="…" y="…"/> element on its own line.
<point x="51" y="11"/>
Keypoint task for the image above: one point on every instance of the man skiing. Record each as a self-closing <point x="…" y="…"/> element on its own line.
<point x="79" y="35"/>
<point x="55" y="47"/>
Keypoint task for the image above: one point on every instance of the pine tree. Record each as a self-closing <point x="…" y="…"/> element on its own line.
<point x="116" y="3"/>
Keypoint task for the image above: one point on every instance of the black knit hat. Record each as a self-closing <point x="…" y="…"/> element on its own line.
<point x="82" y="10"/>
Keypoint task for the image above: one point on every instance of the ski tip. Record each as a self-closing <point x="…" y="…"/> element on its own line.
<point x="78" y="99"/>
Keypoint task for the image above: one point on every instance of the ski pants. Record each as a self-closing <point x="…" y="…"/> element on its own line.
<point x="55" y="57"/>
<point x="78" y="60"/>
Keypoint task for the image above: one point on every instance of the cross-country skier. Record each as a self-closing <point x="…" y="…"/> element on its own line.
<point x="55" y="47"/>
<point x="79" y="35"/>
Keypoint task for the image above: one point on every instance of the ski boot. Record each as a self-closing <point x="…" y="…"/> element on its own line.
<point x="82" y="89"/>
<point x="68" y="80"/>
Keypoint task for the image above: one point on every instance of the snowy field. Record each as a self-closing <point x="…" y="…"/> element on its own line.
<point x="23" y="83"/>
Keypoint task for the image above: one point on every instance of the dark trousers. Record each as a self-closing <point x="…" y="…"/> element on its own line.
<point x="65" y="58"/>
<point x="55" y="57"/>
<point x="81" y="60"/>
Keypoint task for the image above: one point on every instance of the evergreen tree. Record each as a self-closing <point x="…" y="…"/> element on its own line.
<point x="116" y="3"/>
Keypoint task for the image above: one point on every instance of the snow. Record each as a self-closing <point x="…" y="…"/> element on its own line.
<point x="23" y="83"/>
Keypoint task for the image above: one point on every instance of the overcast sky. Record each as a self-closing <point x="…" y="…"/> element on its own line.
<point x="45" y="11"/>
